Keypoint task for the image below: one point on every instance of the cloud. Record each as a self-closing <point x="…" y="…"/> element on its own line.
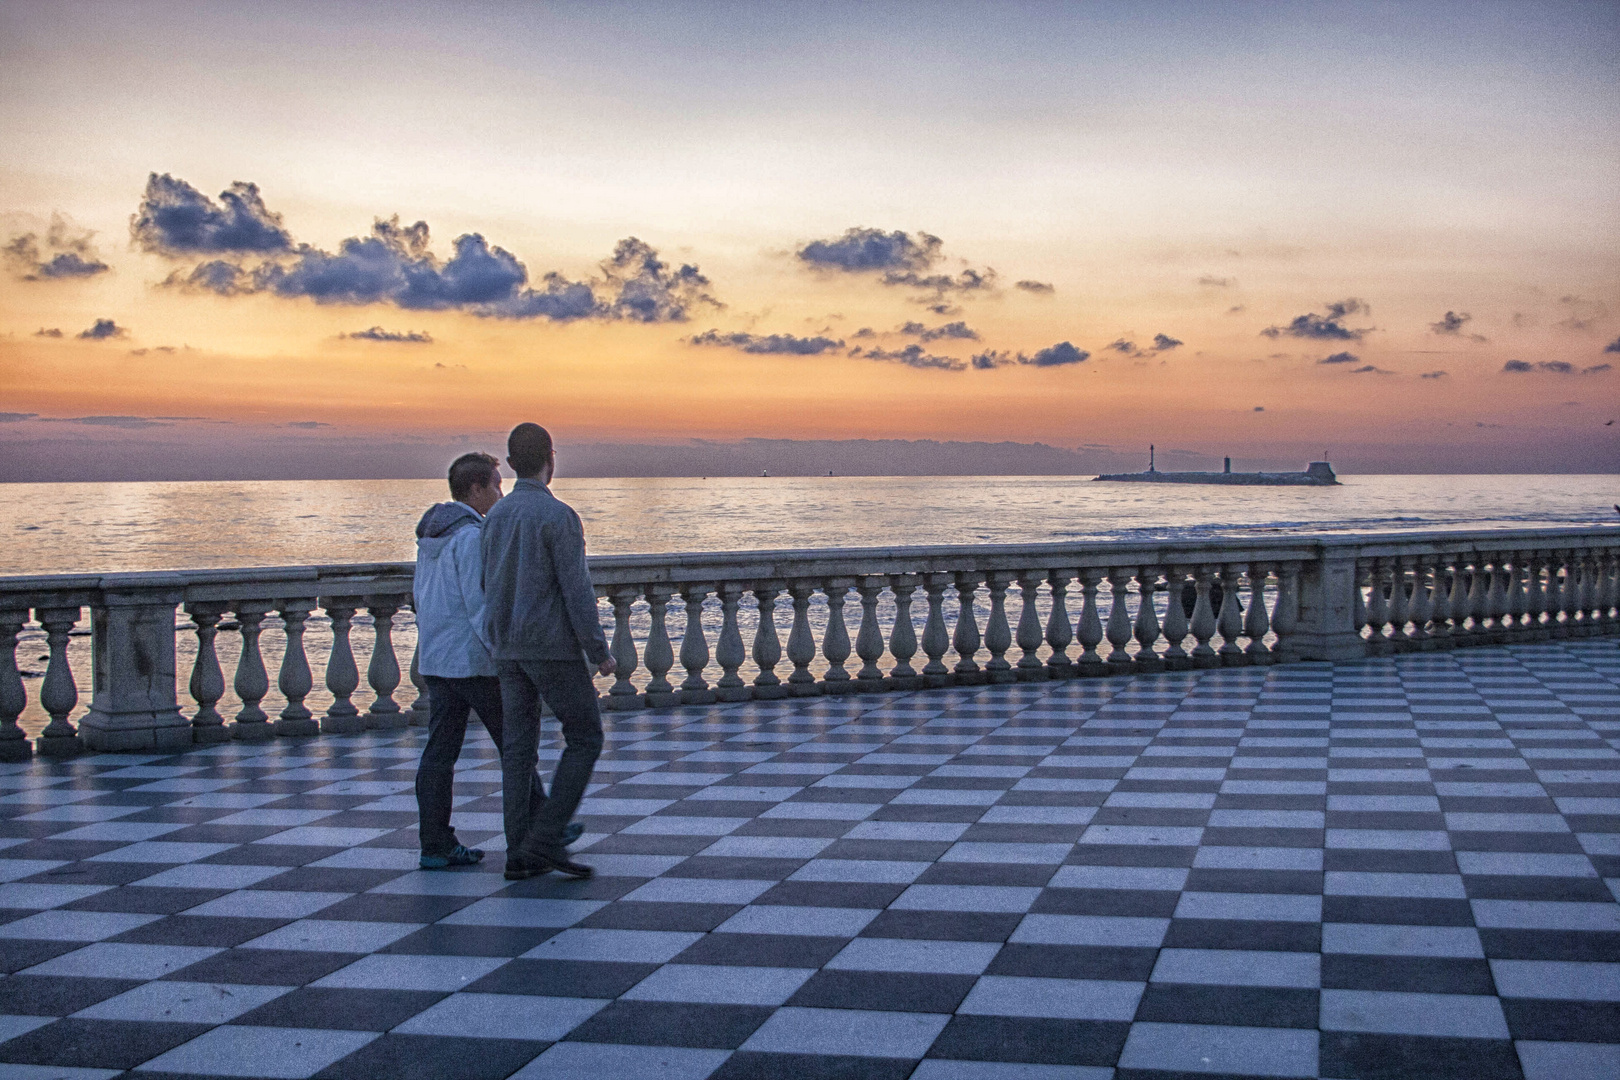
<point x="1259" y="408"/>
<point x="109" y="421"/>
<point x="1451" y="324"/>
<point x="1329" y="326"/>
<point x="1434" y="375"/>
<point x="16" y="417"/>
<point x="1126" y="348"/>
<point x="1236" y="309"/>
<point x="1164" y="343"/>
<point x="911" y="356"/>
<point x="767" y="344"/>
<point x="944" y="308"/>
<point x="1367" y="369"/>
<point x="1582" y="313"/>
<point x="863" y="249"/>
<point x="48" y="332"/>
<point x="403" y="337"/>
<point x="307" y="425"/>
<point x="1340" y="358"/>
<point x="1060" y="355"/>
<point x="954" y="330"/>
<point x="864" y="332"/>
<point x="1596" y="369"/>
<point x="103" y="330"/>
<point x="64" y="253"/>
<point x="176" y="219"/>
<point x="1613" y="346"/>
<point x="1217" y="282"/>
<point x="1040" y="288"/>
<point x="155" y="348"/>
<point x="939" y="284"/>
<point x="1553" y="367"/>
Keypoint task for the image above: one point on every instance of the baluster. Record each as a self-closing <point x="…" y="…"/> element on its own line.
<point x="1030" y="667"/>
<point x="1203" y="622"/>
<point x="694" y="648"/>
<point x="1514" y="621"/>
<point x="1535" y="599"/>
<point x="1119" y="622"/>
<point x="1496" y="600"/>
<point x="801" y="648"/>
<point x="1607" y="594"/>
<point x="997" y="633"/>
<point x="767" y="644"/>
<point x="1285" y="609"/>
<point x="342" y="676"/>
<point x="1574" y="588"/>
<point x="1399" y="613"/>
<point x="1175" y="619"/>
<point x="1147" y="621"/>
<point x="728" y="650"/>
<point x="966" y="638"/>
<point x="1473" y="602"/>
<point x="1059" y="631"/>
<point x="903" y="638"/>
<point x="1418" y="609"/>
<point x="59" y="693"/>
<point x="294" y="679"/>
<point x="835" y="642"/>
<point x="207" y="679"/>
<point x="252" y="682"/>
<point x="14" y="744"/>
<point x="382" y="674"/>
<point x="1358" y="603"/>
<point x="1377" y="611"/>
<point x="869" y="639"/>
<point x="621" y="696"/>
<point x="1457" y="602"/>
<point x="1090" y="632"/>
<point x="1589" y="593"/>
<point x="1255" y="623"/>
<point x="660" y="653"/>
<point x="421" y="709"/>
<point x="1231" y="618"/>
<point x="1558" y="588"/>
<point x="1440" y="604"/>
<point x="935" y="640"/>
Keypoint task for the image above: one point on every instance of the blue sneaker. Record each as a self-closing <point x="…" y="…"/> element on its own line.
<point x="459" y="855"/>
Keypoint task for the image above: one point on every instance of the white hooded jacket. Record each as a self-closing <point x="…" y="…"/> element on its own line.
<point x="450" y="593"/>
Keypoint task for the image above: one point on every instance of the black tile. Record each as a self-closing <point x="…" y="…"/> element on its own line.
<point x="88" y="873"/>
<point x="1412" y="974"/>
<point x="19" y="953"/>
<point x="748" y="1065"/>
<point x="762" y="950"/>
<point x="1017" y="1038"/>
<point x="1366" y="1056"/>
<point x="1155" y="903"/>
<point x="1118" y="963"/>
<point x="434" y="1057"/>
<point x="1602" y="946"/>
<point x="1545" y="843"/>
<point x="640" y="915"/>
<point x="731" y="868"/>
<point x="396" y="907"/>
<point x="1297" y="882"/>
<point x="220" y="932"/>
<point x="647" y="843"/>
<point x="886" y="850"/>
<point x="830" y="894"/>
<point x="335" y="1007"/>
<point x="671" y="1023"/>
<point x="1389" y="862"/>
<point x="884" y="991"/>
<point x="1243" y="934"/>
<point x="1131" y="855"/>
<point x="97" y="1044"/>
<point x="263" y="967"/>
<point x="222" y="834"/>
<point x="558" y="887"/>
<point x="562" y="978"/>
<point x="1239" y="1006"/>
<point x="1528" y="887"/>
<point x="145" y="900"/>
<point x="445" y="940"/>
<point x="1563" y="1021"/>
<point x="271" y="855"/>
<point x="1397" y="911"/>
<point x="943" y="925"/>
<point x="326" y="879"/>
<point x="967" y="873"/>
<point x="58" y="995"/>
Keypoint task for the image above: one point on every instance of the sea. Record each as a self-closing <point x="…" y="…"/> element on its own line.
<point x="102" y="528"/>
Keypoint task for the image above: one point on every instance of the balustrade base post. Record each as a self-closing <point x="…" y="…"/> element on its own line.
<point x="14" y="750"/>
<point x="343" y="723"/>
<point x="211" y="735"/>
<point x="937" y="680"/>
<point x="697" y="697"/>
<point x="1090" y="669"/>
<point x="970" y="678"/>
<point x="59" y="746"/>
<point x="846" y="685"/>
<point x="622" y="702"/>
<point x="1148" y="663"/>
<point x="655" y="699"/>
<point x="869" y="686"/>
<point x="773" y="692"/>
<point x="296" y="727"/>
<point x="133" y="704"/>
<point x="386" y="721"/>
<point x="1325" y="628"/>
<point x="733" y="693"/>
<point x="900" y="683"/>
<point x="251" y="731"/>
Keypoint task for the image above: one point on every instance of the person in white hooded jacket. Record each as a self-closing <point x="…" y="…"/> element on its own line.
<point x="453" y="657"/>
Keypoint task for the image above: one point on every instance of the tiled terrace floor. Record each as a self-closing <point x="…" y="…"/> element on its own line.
<point x="1402" y="867"/>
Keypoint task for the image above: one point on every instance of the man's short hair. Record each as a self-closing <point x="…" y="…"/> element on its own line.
<point x="528" y="448"/>
<point x="470" y="471"/>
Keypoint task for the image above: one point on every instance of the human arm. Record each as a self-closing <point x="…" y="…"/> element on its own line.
<point x="566" y="540"/>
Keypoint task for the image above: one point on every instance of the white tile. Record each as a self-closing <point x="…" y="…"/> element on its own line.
<point x="24" y="896"/>
<point x="1121" y="930"/>
<point x="912" y="955"/>
<point x="128" y="961"/>
<point x="834" y="1031"/>
<point x="798" y="921"/>
<point x="502" y="1016"/>
<point x="1475" y="1016"/>
<point x="699" y="890"/>
<point x="716" y="985"/>
<point x="333" y="935"/>
<point x="1368" y="939"/>
<point x="1238" y="967"/>
<point x="260" y="1051"/>
<point x="626" y="946"/>
<point x="74" y="925"/>
<point x="603" y="1061"/>
<point x="1056" y="999"/>
<point x="268" y="904"/>
<point x="161" y="851"/>
<point x="390" y="972"/>
<point x="517" y="911"/>
<point x="183" y="1002"/>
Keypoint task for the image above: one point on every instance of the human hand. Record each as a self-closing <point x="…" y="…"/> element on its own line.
<point x="607" y="667"/>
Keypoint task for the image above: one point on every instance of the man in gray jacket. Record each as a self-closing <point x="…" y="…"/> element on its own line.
<point x="541" y="621"/>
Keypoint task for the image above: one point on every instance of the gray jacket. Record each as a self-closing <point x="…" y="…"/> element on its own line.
<point x="538" y="600"/>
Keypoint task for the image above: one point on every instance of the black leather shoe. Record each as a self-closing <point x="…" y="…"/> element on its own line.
<point x="520" y="868"/>
<point x="557" y="860"/>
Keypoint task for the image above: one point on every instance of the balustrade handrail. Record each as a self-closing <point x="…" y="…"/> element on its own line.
<point x="1238" y="600"/>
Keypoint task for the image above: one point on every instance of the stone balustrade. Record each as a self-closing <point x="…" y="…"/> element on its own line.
<point x="775" y="624"/>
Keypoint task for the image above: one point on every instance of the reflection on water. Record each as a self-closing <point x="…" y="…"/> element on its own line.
<point x="61" y="528"/>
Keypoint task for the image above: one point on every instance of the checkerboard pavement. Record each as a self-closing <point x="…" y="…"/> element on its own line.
<point x="1398" y="867"/>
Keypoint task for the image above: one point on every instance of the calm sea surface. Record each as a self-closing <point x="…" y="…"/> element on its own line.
<point x="60" y="528"/>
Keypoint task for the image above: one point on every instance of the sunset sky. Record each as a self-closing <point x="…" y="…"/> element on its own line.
<point x="1391" y="231"/>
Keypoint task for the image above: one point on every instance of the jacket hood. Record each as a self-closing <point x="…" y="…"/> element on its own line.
<point x="444" y="518"/>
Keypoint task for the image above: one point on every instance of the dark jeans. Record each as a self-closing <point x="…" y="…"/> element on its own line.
<point x="449" y="702"/>
<point x="566" y="686"/>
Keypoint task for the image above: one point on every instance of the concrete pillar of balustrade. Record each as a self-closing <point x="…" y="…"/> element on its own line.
<point x="132" y="702"/>
<point x="1325" y="627"/>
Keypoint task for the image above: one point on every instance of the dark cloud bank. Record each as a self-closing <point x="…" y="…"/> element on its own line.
<point x="390" y="337"/>
<point x="1552" y="367"/>
<point x="394" y="265"/>
<point x="903" y="259"/>
<point x="1325" y="327"/>
<point x="63" y="253"/>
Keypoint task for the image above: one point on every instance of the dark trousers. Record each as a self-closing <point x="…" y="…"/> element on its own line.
<point x="537" y="824"/>
<point x="449" y="703"/>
